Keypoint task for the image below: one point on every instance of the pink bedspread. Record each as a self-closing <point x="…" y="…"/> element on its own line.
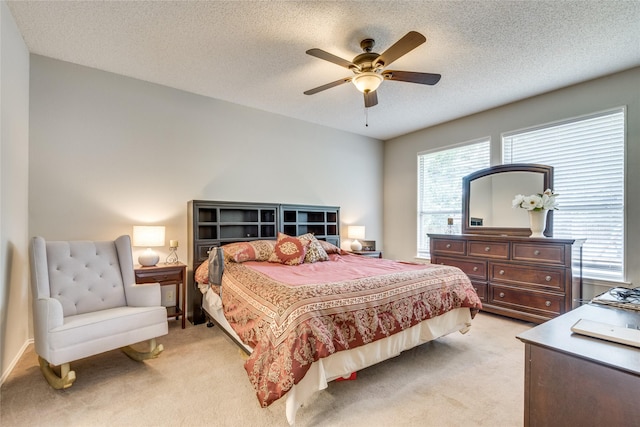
<point x="295" y="315"/>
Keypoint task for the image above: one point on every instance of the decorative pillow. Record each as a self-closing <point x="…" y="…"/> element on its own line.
<point x="289" y="250"/>
<point x="329" y="247"/>
<point x="202" y="273"/>
<point x="315" y="252"/>
<point x="257" y="250"/>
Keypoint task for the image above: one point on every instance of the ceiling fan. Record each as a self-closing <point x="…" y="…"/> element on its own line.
<point x="369" y="67"/>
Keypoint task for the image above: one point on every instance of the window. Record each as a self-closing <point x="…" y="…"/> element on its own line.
<point x="587" y="155"/>
<point x="440" y="176"/>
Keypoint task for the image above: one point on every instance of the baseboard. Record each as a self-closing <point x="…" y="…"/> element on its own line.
<point x="15" y="360"/>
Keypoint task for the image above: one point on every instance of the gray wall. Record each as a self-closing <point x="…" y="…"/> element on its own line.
<point x="14" y="156"/>
<point x="400" y="156"/>
<point x="107" y="152"/>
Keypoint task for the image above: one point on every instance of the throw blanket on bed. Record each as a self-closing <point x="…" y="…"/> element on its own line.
<point x="295" y="315"/>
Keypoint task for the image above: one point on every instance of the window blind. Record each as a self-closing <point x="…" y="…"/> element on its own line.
<point x="440" y="176"/>
<point x="587" y="155"/>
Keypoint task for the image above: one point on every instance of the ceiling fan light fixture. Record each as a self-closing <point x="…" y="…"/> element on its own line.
<point x="367" y="81"/>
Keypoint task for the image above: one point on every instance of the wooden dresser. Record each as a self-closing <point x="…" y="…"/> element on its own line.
<point x="574" y="380"/>
<point x="532" y="279"/>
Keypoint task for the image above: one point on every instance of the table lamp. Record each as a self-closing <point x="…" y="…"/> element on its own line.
<point x="356" y="232"/>
<point x="148" y="236"/>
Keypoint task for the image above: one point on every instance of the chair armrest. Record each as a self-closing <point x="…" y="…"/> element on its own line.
<point x="143" y="295"/>
<point x="48" y="316"/>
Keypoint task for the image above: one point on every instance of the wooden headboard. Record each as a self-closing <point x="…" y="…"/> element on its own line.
<point x="214" y="223"/>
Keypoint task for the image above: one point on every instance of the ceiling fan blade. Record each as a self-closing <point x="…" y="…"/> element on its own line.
<point x="411" y="77"/>
<point x="319" y="53"/>
<point x="370" y="99"/>
<point x="327" y="86"/>
<point x="406" y="44"/>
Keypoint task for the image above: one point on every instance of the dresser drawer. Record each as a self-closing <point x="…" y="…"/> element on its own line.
<point x="526" y="300"/>
<point x="449" y="246"/>
<point x="481" y="290"/>
<point x="548" y="277"/>
<point x="489" y="249"/>
<point x="475" y="269"/>
<point x="172" y="276"/>
<point x="530" y="252"/>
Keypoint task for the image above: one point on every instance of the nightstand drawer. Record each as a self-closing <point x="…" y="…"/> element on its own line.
<point x="489" y="249"/>
<point x="159" y="276"/>
<point x="370" y="254"/>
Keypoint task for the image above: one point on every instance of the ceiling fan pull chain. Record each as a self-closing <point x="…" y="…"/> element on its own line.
<point x="366" y="117"/>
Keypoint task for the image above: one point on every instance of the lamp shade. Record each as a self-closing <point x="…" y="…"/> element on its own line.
<point x="148" y="235"/>
<point x="356" y="232"/>
<point x="367" y="81"/>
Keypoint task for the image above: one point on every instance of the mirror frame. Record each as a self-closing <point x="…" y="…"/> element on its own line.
<point x="547" y="178"/>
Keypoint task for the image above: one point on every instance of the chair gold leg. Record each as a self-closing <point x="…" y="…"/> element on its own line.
<point x="66" y="378"/>
<point x="139" y="356"/>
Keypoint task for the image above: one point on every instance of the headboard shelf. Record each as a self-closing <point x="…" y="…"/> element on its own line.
<point x="214" y="223"/>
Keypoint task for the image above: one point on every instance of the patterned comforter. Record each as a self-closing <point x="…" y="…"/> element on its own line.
<point x="294" y="315"/>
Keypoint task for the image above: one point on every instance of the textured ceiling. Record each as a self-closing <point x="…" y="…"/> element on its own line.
<point x="252" y="53"/>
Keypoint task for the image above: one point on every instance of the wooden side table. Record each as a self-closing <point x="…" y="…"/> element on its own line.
<point x="167" y="274"/>
<point x="575" y="380"/>
<point x="370" y="254"/>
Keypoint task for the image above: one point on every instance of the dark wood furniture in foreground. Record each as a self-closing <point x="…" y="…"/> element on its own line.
<point x="574" y="380"/>
<point x="214" y="223"/>
<point x="167" y="274"/>
<point x="532" y="279"/>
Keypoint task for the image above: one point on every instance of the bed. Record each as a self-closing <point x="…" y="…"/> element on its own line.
<point x="308" y="313"/>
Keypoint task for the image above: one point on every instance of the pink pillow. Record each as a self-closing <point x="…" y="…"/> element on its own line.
<point x="330" y="248"/>
<point x="289" y="250"/>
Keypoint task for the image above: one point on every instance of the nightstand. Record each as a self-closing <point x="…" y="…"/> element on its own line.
<point x="370" y="254"/>
<point x="167" y="274"/>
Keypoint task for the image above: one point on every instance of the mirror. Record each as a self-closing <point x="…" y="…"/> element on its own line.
<point x="487" y="195"/>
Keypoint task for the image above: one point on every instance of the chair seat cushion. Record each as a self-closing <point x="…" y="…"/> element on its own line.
<point x="87" y="334"/>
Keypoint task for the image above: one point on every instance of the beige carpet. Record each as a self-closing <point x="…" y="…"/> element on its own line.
<point x="458" y="380"/>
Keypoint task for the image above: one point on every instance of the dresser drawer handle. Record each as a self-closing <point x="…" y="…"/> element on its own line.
<point x="548" y="303"/>
<point x="487" y="249"/>
<point x="501" y="294"/>
<point x="548" y="278"/>
<point x="475" y="268"/>
<point x="536" y="252"/>
<point x="448" y="245"/>
<point x="501" y="272"/>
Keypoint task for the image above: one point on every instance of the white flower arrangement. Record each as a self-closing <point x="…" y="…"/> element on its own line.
<point x="537" y="202"/>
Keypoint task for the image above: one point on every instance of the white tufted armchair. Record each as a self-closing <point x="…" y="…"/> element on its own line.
<point x="85" y="302"/>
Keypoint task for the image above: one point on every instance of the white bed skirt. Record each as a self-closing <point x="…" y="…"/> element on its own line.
<point x="343" y="363"/>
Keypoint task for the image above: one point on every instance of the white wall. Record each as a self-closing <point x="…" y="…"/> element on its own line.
<point x="14" y="157"/>
<point x="108" y="152"/>
<point x="400" y="179"/>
